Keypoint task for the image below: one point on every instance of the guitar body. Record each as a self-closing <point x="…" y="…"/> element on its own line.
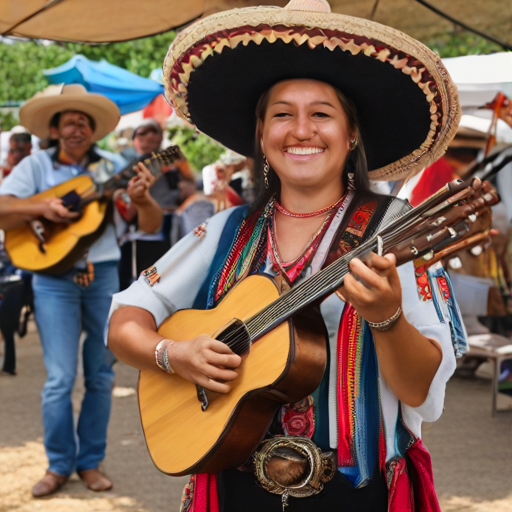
<point x="66" y="243"/>
<point x="284" y="366"/>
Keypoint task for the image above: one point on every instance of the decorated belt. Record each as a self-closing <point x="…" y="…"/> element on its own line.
<point x="293" y="466"/>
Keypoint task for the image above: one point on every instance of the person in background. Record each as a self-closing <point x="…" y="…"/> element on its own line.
<point x="140" y="250"/>
<point x="219" y="186"/>
<point x="20" y="146"/>
<point x="79" y="299"/>
<point x="239" y="168"/>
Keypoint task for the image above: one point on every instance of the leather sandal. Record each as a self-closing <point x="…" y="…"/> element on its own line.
<point x="49" y="484"/>
<point x="95" y="480"/>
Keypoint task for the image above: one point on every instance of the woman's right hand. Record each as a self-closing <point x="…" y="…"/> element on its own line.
<point x="206" y="362"/>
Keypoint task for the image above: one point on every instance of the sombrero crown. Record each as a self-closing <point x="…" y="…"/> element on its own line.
<point x="408" y="109"/>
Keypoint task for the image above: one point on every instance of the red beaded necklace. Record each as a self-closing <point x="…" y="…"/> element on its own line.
<point x="308" y="215"/>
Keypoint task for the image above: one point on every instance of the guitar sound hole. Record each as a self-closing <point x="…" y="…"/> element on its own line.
<point x="236" y="337"/>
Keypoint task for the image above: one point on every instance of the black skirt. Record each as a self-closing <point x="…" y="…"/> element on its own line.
<point x="240" y="492"/>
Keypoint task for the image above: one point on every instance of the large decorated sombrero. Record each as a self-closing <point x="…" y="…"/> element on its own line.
<point x="408" y="109"/>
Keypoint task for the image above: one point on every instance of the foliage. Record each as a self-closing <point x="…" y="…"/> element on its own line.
<point x="459" y="43"/>
<point x="140" y="56"/>
<point x="21" y="63"/>
<point x="7" y="121"/>
<point x="199" y="149"/>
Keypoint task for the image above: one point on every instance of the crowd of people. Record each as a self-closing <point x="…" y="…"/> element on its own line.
<point x="316" y="161"/>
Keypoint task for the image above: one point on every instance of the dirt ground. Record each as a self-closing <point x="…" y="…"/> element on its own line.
<point x="471" y="451"/>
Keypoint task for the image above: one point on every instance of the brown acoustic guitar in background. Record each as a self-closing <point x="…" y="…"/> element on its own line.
<point x="53" y="248"/>
<point x="282" y="341"/>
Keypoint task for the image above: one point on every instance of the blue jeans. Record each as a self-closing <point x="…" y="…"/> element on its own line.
<point x="62" y="310"/>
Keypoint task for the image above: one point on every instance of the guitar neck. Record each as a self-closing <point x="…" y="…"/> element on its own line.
<point x="309" y="291"/>
<point x="153" y="162"/>
<point x="440" y="220"/>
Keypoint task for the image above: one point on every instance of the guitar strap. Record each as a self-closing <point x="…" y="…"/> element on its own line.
<point x="359" y="223"/>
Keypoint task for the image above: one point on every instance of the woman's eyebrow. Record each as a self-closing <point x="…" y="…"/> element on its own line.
<point x="282" y="102"/>
<point x="322" y="103"/>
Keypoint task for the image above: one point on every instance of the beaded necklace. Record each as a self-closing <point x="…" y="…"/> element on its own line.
<point x="290" y="271"/>
<point x="308" y="215"/>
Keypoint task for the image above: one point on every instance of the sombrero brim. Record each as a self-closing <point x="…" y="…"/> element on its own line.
<point x="37" y="112"/>
<point x="407" y="106"/>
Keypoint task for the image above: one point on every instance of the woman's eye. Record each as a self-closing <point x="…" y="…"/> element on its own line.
<point x="281" y="114"/>
<point x="320" y="114"/>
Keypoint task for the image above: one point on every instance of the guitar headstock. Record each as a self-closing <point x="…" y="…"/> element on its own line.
<point x="441" y="225"/>
<point x="165" y="157"/>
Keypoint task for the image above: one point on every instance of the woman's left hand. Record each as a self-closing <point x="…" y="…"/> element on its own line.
<point x="138" y="186"/>
<point x="373" y="287"/>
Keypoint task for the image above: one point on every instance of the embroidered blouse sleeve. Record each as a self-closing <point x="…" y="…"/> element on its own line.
<point x="174" y="281"/>
<point x="425" y="299"/>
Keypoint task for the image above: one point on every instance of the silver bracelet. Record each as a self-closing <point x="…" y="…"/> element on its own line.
<point x="386" y="324"/>
<point x="162" y="355"/>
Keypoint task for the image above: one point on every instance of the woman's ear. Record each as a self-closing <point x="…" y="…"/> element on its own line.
<point x="262" y="146"/>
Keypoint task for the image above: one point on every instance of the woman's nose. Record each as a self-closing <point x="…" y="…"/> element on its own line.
<point x="303" y="128"/>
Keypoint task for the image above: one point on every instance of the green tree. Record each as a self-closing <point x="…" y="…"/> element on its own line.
<point x="459" y="43"/>
<point x="21" y="63"/>
<point x="7" y="121"/>
<point x="199" y="149"/>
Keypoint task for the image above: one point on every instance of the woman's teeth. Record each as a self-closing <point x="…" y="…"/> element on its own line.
<point x="303" y="150"/>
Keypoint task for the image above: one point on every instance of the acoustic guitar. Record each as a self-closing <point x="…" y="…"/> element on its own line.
<point x="282" y="341"/>
<point x="53" y="248"/>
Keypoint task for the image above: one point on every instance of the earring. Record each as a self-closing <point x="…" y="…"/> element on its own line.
<point x="266" y="169"/>
<point x="353" y="143"/>
<point x="351" y="182"/>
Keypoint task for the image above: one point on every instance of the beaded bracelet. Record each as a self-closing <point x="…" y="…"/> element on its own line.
<point x="386" y="324"/>
<point x="162" y="355"/>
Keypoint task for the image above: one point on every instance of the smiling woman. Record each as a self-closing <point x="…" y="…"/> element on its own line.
<point x="349" y="438"/>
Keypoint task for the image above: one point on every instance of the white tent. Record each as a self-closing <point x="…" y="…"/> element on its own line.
<point x="480" y="77"/>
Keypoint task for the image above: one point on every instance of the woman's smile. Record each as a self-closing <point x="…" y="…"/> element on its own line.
<point x="303" y="153"/>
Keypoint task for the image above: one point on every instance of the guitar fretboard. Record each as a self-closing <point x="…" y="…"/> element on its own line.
<point x="327" y="280"/>
<point x="153" y="162"/>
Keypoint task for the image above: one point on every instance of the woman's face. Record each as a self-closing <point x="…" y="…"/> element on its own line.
<point x="305" y="134"/>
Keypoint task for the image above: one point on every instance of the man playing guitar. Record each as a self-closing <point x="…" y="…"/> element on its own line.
<point x="78" y="299"/>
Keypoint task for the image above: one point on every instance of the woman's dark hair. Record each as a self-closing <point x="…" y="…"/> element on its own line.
<point x="356" y="161"/>
<point x="54" y="121"/>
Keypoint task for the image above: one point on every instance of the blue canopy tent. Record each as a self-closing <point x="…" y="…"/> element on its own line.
<point x="130" y="92"/>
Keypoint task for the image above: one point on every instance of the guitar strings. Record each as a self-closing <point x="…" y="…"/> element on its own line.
<point x="332" y="276"/>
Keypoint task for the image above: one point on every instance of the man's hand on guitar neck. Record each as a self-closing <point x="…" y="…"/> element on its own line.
<point x="149" y="213"/>
<point x="138" y="186"/>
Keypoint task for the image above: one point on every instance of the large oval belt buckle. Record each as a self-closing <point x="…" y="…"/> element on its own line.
<point x="293" y="466"/>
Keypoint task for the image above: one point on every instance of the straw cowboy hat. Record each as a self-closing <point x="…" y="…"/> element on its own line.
<point x="38" y="111"/>
<point x="407" y="105"/>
